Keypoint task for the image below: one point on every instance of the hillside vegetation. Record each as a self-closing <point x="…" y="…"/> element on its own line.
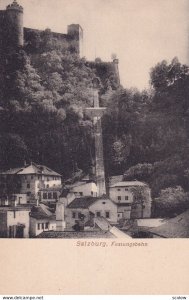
<point x="44" y="89"/>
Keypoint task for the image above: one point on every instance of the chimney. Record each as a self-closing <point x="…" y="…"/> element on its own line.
<point x="116" y="68"/>
<point x="60" y="216"/>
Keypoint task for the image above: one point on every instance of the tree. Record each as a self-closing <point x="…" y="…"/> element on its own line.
<point x="171" y="202"/>
<point x="13" y="150"/>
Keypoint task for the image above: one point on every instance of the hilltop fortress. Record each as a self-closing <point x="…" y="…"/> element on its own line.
<point x="13" y="36"/>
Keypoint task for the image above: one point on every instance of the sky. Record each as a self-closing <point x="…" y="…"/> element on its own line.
<point x="140" y="32"/>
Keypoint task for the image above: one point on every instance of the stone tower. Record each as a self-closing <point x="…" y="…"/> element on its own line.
<point x="116" y="69"/>
<point x="96" y="114"/>
<point x="11" y="23"/>
<point x="75" y="32"/>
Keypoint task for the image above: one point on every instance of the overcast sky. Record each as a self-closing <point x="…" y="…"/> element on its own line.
<point x="140" y="32"/>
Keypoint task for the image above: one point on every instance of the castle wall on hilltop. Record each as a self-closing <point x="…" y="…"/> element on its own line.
<point x="13" y="35"/>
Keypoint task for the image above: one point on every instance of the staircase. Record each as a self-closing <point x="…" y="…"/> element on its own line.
<point x="102" y="223"/>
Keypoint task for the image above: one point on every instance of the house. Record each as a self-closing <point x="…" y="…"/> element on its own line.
<point x="41" y="219"/>
<point x="9" y="199"/>
<point x="85" y="209"/>
<point x="14" y="221"/>
<point x="133" y="199"/>
<point x="83" y="188"/>
<point x="49" y="195"/>
<point x="29" y="180"/>
<point x="67" y="196"/>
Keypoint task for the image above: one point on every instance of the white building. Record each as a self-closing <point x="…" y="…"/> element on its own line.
<point x="49" y="195"/>
<point x="88" y="208"/>
<point x="14" y="222"/>
<point x="133" y="199"/>
<point x="84" y="188"/>
<point x="41" y="219"/>
<point x="30" y="179"/>
<point x="14" y="199"/>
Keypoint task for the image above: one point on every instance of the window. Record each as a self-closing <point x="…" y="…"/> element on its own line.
<point x="46" y="225"/>
<point x="92" y="193"/>
<point x="119" y="190"/>
<point x="107" y="213"/>
<point x="126" y="189"/>
<point x="126" y="197"/>
<point x="81" y="193"/>
<point x="119" y="198"/>
<point x="38" y="226"/>
<point x="73" y="215"/>
<point x="42" y="225"/>
<point x="31" y="176"/>
<point x="49" y="196"/>
<point x="54" y="195"/>
<point x="98" y="214"/>
<point x="28" y="194"/>
<point x="28" y="186"/>
<point x="47" y="185"/>
<point x="44" y="195"/>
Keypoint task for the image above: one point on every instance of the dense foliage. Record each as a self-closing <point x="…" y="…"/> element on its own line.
<point x="149" y="138"/>
<point x="44" y="89"/>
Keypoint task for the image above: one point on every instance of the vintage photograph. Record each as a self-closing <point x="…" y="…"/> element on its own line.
<point x="94" y="119"/>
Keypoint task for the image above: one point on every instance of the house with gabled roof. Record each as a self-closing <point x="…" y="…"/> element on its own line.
<point x="41" y="219"/>
<point x="85" y="209"/>
<point x="133" y="199"/>
<point x="29" y="180"/>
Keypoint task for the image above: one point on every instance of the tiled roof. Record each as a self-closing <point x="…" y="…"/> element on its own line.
<point x="32" y="169"/>
<point x="177" y="227"/>
<point x="83" y="202"/>
<point x="11" y="171"/>
<point x="115" y="179"/>
<point x="41" y="212"/>
<point x="75" y="235"/>
<point x="128" y="183"/>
